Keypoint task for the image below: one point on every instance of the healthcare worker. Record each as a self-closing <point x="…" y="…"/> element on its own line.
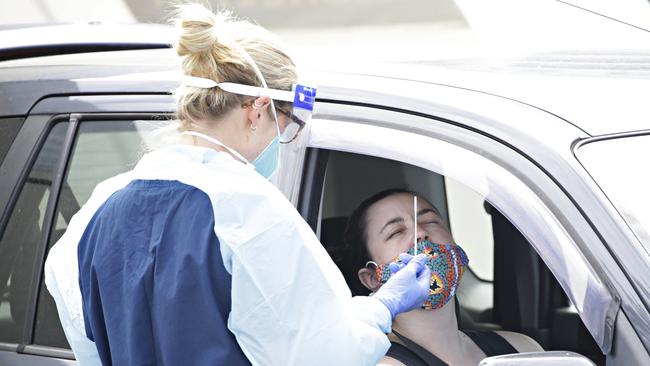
<point x="194" y="257"/>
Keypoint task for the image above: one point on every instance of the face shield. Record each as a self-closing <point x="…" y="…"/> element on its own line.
<point x="302" y="98"/>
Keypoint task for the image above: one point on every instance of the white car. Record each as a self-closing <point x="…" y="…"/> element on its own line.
<point x="538" y="164"/>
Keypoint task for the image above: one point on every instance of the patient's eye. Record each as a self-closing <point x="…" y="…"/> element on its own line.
<point x="429" y="219"/>
<point x="430" y="222"/>
<point x="395" y="233"/>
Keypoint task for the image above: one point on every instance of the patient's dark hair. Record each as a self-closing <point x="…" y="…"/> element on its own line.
<point x="356" y="237"/>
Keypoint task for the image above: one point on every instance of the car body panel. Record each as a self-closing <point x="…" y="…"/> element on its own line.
<point x="124" y="103"/>
<point x="15" y="165"/>
<point x="46" y="359"/>
<point x="584" y="88"/>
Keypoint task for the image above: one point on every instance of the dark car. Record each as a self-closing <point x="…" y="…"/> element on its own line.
<point x="538" y="164"/>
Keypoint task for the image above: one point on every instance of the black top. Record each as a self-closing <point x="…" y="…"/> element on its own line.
<point x="412" y="354"/>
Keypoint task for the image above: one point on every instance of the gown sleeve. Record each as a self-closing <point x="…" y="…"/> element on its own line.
<point x="290" y="303"/>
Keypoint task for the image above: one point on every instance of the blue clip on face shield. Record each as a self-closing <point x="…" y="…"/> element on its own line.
<point x="302" y="98"/>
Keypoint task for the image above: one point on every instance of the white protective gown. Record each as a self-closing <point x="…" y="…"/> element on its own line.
<point x="290" y="303"/>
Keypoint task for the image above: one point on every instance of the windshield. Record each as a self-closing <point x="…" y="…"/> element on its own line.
<point x="619" y="167"/>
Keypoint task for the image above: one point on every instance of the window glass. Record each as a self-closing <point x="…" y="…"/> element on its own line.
<point x="618" y="166"/>
<point x="471" y="226"/>
<point x="9" y="128"/>
<point x="22" y="236"/>
<point x="102" y="149"/>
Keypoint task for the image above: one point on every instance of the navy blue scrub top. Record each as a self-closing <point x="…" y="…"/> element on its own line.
<point x="153" y="284"/>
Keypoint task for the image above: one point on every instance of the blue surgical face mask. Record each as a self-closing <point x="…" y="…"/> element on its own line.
<point x="268" y="161"/>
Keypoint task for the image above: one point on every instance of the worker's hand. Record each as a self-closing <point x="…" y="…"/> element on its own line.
<point x="404" y="259"/>
<point x="408" y="286"/>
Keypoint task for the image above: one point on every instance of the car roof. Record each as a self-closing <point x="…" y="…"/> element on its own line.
<point x="599" y="91"/>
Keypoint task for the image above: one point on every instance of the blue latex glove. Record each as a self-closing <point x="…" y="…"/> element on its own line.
<point x="408" y="287"/>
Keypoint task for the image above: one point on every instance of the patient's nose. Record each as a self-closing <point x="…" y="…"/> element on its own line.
<point x="422" y="234"/>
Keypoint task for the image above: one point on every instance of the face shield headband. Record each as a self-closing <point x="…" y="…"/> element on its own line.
<point x="302" y="98"/>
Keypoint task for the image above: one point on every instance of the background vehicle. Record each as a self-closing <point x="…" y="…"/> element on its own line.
<point x="501" y="148"/>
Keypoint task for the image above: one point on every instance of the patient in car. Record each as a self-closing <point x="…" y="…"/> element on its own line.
<point x="379" y="230"/>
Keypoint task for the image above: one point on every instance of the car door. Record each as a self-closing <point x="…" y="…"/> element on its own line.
<point x="477" y="141"/>
<point x="63" y="149"/>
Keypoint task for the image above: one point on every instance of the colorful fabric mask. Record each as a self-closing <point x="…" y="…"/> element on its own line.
<point x="447" y="263"/>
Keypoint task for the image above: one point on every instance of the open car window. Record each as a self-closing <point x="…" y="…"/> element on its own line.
<point x="504" y="191"/>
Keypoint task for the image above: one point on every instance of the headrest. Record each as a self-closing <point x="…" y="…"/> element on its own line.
<point x="332" y="231"/>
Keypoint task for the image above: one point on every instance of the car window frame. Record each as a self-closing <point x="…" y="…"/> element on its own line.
<point x="381" y="118"/>
<point x="9" y="129"/>
<point x="22" y="156"/>
<point x="36" y="129"/>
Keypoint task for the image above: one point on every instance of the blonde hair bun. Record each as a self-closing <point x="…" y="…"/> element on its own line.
<point x="198" y="33"/>
<point x="196" y="24"/>
<point x="222" y="48"/>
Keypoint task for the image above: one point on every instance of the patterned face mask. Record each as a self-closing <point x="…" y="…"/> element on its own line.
<point x="447" y="263"/>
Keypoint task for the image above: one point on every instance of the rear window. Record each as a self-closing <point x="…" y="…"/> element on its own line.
<point x="9" y="128"/>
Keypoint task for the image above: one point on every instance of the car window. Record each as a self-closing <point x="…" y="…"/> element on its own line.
<point x="618" y="167"/>
<point x="22" y="236"/>
<point x="9" y="128"/>
<point x="102" y="149"/>
<point x="532" y="237"/>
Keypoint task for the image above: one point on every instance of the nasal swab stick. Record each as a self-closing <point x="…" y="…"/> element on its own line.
<point x="415" y="225"/>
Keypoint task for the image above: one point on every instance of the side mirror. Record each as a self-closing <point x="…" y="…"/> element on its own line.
<point x="551" y="358"/>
